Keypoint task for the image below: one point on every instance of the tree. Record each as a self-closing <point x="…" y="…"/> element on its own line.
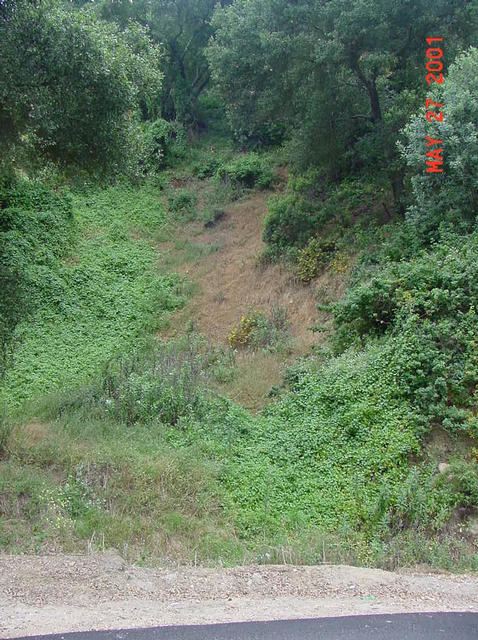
<point x="343" y="76"/>
<point x="70" y="83"/>
<point x="183" y="28"/>
<point x="69" y="88"/>
<point x="450" y="198"/>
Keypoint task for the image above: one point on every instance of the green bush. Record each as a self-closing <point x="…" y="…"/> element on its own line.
<point x="163" y="143"/>
<point x="248" y="170"/>
<point x="206" y="168"/>
<point x="427" y="308"/>
<point x="291" y="221"/>
<point x="434" y="285"/>
<point x="351" y="202"/>
<point x="165" y="382"/>
<point x="182" y="203"/>
<point x="311" y="206"/>
<point x="313" y="258"/>
<point x="272" y="331"/>
<point x="259" y="330"/>
<point x="165" y="386"/>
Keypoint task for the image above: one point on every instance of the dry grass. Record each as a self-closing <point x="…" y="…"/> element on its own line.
<point x="257" y="373"/>
<point x="228" y="282"/>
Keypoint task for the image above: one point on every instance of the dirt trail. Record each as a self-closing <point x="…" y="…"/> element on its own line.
<point x="57" y="594"/>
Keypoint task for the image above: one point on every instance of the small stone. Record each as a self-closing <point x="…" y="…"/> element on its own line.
<point x="473" y="526"/>
<point x="443" y="467"/>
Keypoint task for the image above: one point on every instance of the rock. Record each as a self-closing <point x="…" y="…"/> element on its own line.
<point x="473" y="526"/>
<point x="443" y="467"/>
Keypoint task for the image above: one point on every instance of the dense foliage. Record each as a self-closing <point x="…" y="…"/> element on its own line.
<point x="100" y="301"/>
<point x="182" y="28"/>
<point x="70" y="83"/>
<point x="450" y="203"/>
<point x="341" y="77"/>
<point x="36" y="230"/>
<point x="112" y="426"/>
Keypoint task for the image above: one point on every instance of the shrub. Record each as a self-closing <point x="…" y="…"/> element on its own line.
<point x="291" y="221"/>
<point x="272" y="331"/>
<point x="314" y="257"/>
<point x="248" y="170"/>
<point x="241" y="333"/>
<point x="212" y="215"/>
<point x="434" y="285"/>
<point x="162" y="143"/>
<point x="426" y="307"/>
<point x="312" y="206"/>
<point x="183" y="203"/>
<point x="340" y="263"/>
<point x="206" y="168"/>
<point x="261" y="331"/>
<point x="165" y="387"/>
<point x="164" y="382"/>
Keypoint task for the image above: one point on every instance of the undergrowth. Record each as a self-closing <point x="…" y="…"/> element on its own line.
<point x="104" y="297"/>
<point x="137" y="449"/>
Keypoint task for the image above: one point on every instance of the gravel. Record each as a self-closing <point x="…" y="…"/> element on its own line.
<point x="61" y="593"/>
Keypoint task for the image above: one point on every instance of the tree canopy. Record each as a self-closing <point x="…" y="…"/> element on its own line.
<point x="70" y="83"/>
<point x="182" y="28"/>
<point x="342" y="77"/>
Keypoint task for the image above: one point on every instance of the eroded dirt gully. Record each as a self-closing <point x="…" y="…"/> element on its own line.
<point x="60" y="593"/>
<point x="222" y="264"/>
<point x="230" y="282"/>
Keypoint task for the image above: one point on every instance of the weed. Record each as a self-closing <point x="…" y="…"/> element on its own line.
<point x="182" y="204"/>
<point x="260" y="331"/>
<point x="107" y="296"/>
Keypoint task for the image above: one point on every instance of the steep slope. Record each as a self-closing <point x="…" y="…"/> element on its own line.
<point x="229" y="280"/>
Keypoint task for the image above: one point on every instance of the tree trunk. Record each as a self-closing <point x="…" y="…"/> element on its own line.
<point x="374" y="101"/>
<point x="371" y="87"/>
<point x="397" y="189"/>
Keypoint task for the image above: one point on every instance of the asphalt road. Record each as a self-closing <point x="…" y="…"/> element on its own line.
<point x="422" y="626"/>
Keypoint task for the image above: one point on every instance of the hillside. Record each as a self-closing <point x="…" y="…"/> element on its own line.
<point x="153" y="454"/>
<point x="239" y="282"/>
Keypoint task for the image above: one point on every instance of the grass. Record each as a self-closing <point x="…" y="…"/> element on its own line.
<point x="184" y="251"/>
<point x="85" y="483"/>
<point x="213" y="486"/>
<point x="129" y="442"/>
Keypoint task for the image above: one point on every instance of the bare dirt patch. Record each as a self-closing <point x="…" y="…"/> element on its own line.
<point x="57" y="594"/>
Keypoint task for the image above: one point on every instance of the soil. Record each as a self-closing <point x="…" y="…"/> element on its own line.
<point x="60" y="593"/>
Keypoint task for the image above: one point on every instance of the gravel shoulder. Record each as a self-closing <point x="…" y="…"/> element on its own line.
<point x="61" y="593"/>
